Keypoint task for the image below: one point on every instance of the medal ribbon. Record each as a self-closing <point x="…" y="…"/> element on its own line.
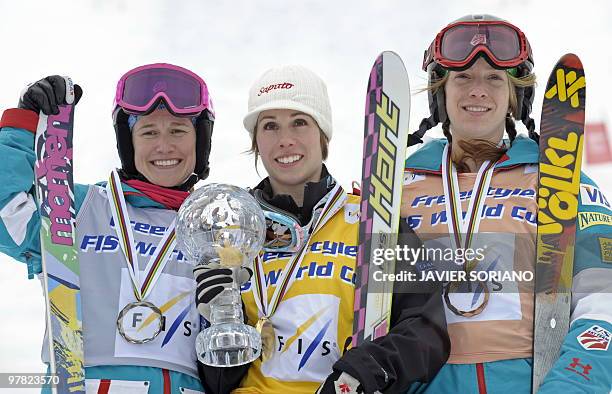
<point x="458" y="226"/>
<point x="336" y="200"/>
<point x="162" y="253"/>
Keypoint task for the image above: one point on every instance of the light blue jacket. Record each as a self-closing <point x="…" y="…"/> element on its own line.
<point x="578" y="369"/>
<point x="19" y="238"/>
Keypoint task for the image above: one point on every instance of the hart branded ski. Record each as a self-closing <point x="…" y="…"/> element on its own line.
<point x="384" y="152"/>
<point x="561" y="140"/>
<point x="55" y="195"/>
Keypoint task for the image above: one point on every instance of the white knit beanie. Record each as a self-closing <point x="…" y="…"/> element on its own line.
<point x="290" y="87"/>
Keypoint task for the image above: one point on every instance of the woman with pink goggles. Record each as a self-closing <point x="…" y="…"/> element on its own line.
<point x="171" y="89"/>
<point x="139" y="328"/>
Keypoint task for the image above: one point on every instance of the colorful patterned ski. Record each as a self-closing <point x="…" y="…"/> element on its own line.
<point x="384" y="151"/>
<point x="55" y="195"/>
<point x="561" y="138"/>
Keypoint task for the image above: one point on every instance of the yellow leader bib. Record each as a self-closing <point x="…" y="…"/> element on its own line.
<point x="315" y="317"/>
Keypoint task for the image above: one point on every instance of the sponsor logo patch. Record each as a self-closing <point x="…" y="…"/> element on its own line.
<point x="346" y="384"/>
<point x="595" y="338"/>
<point x="478" y="39"/>
<point x="589" y="219"/>
<point x="351" y="213"/>
<point x="579" y="368"/>
<point x="410" y="178"/>
<point x="266" y="89"/>
<point x="605" y="246"/>
<point x="590" y="195"/>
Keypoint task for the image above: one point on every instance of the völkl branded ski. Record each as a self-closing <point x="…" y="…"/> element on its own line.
<point x="561" y="141"/>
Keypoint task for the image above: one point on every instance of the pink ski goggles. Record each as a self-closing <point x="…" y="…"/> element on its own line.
<point x="183" y="91"/>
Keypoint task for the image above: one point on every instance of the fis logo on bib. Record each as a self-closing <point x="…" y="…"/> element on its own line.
<point x="306" y="338"/>
<point x="306" y="347"/>
<point x="146" y="320"/>
<point x="170" y="321"/>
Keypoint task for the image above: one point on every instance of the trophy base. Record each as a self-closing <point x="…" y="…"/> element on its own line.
<point x="228" y="345"/>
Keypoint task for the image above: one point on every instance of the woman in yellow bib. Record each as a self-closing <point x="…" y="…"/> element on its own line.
<point x="302" y="290"/>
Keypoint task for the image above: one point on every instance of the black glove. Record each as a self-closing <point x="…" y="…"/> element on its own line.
<point x="340" y="383"/>
<point x="211" y="280"/>
<point x="45" y="95"/>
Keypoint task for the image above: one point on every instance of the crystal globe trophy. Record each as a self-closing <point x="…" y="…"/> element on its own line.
<point x="223" y="225"/>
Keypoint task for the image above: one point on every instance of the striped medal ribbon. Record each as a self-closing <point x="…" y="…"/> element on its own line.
<point x="152" y="272"/>
<point x="462" y="229"/>
<point x="334" y="202"/>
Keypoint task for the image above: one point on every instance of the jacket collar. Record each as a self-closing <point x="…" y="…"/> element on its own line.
<point x="313" y="193"/>
<point x="428" y="158"/>
<point x="135" y="197"/>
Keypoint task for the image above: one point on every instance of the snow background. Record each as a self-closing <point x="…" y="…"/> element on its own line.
<point x="230" y="44"/>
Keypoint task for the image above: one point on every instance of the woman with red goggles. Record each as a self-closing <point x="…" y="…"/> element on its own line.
<point x="474" y="191"/>
<point x="139" y="316"/>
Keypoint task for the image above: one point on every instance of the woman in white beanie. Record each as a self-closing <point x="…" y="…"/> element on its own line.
<point x="302" y="292"/>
